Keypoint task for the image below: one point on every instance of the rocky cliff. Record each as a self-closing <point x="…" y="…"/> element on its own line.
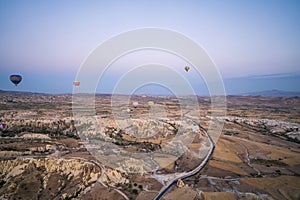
<point x="45" y="178"/>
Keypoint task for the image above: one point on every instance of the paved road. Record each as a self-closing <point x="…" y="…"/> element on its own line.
<point x="166" y="188"/>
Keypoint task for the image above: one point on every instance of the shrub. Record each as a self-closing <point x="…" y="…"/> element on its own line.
<point x="135" y="191"/>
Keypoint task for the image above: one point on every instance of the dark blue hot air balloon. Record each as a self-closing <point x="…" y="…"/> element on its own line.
<point x="15" y="79"/>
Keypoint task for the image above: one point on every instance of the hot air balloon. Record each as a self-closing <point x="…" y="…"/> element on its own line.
<point x="3" y="126"/>
<point x="15" y="79"/>
<point x="135" y="104"/>
<point x="150" y="103"/>
<point x="76" y="83"/>
<point x="187" y="68"/>
<point x="68" y="121"/>
<point x="128" y="110"/>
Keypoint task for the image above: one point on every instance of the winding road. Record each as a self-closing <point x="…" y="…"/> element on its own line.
<point x="167" y="187"/>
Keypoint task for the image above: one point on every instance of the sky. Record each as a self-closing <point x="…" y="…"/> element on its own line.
<point x="47" y="41"/>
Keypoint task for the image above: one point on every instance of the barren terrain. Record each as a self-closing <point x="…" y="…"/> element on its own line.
<point x="47" y="153"/>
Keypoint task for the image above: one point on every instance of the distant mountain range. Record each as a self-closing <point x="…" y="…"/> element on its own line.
<point x="22" y="92"/>
<point x="260" y="85"/>
<point x="265" y="93"/>
<point x="264" y="85"/>
<point x="274" y="93"/>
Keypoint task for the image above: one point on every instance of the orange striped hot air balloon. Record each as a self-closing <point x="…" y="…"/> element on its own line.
<point x="76" y="83"/>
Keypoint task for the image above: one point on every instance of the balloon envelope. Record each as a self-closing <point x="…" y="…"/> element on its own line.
<point x="15" y="79"/>
<point x="76" y="83"/>
<point x="68" y="121"/>
<point x="150" y="103"/>
<point x="187" y="68"/>
<point x="3" y="126"/>
<point x="135" y="104"/>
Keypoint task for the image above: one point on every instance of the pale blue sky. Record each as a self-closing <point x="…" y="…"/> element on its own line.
<point x="46" y="41"/>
